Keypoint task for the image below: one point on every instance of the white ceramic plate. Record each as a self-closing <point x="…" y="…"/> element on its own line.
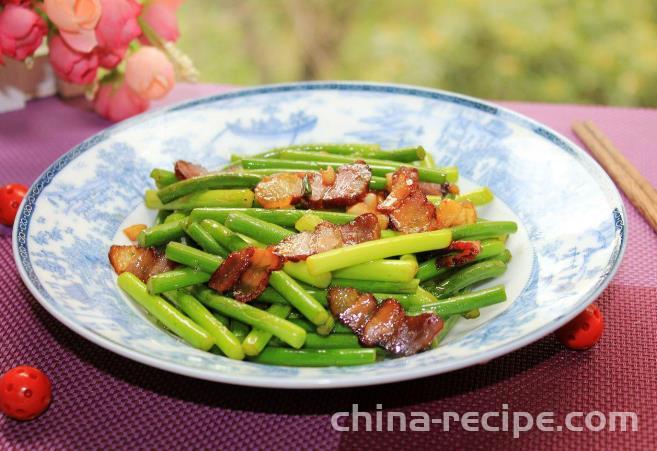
<point x="571" y="238"/>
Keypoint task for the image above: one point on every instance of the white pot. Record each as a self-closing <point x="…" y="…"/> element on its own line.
<point x="20" y="82"/>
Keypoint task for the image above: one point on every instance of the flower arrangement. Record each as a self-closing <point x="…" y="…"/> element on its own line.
<point x="123" y="50"/>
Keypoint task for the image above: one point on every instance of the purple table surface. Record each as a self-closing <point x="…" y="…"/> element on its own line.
<point x="102" y="400"/>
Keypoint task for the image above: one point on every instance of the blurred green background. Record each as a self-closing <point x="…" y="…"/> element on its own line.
<point x="578" y="51"/>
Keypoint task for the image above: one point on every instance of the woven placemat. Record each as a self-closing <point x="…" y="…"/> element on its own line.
<point x="102" y="400"/>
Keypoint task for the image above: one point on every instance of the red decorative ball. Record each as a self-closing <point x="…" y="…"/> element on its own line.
<point x="583" y="331"/>
<point x="25" y="393"/>
<point x="11" y="197"/>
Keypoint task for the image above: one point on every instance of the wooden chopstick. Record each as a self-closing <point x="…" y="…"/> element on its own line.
<point x="621" y="160"/>
<point x="637" y="189"/>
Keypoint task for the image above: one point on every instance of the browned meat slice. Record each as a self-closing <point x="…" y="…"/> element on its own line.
<point x="351" y="307"/>
<point x="254" y="280"/>
<point x="363" y="228"/>
<point x="401" y="184"/>
<point x="341" y="298"/>
<point x="466" y="251"/>
<point x="322" y="189"/>
<point x="186" y="170"/>
<point x="438" y="189"/>
<point x="246" y="272"/>
<point x="230" y="271"/>
<point x="413" y="214"/>
<point x="386" y="324"/>
<point x="281" y="190"/>
<point x="300" y="246"/>
<point x="415" y="334"/>
<point x="121" y="256"/>
<point x="157" y="263"/>
<point x="327" y="236"/>
<point x="383" y="325"/>
<point x="140" y="261"/>
<point x="406" y="205"/>
<point x="349" y="186"/>
<point x="431" y="189"/>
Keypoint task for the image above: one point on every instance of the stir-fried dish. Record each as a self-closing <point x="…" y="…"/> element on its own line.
<point x="314" y="255"/>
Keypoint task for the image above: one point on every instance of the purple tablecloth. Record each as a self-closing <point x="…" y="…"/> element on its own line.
<point x="102" y="400"/>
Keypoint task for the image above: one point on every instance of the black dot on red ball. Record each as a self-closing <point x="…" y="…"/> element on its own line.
<point x="27" y="393"/>
<point x="586" y="326"/>
<point x="14" y="204"/>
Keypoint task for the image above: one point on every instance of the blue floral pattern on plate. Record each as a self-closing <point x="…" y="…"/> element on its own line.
<point x="570" y="243"/>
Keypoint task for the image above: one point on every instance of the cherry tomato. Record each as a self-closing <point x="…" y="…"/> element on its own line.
<point x="584" y="330"/>
<point x="25" y="393"/>
<point x="10" y="198"/>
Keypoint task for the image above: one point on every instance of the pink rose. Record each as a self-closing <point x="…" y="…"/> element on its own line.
<point x="21" y="31"/>
<point x="117" y="27"/>
<point x="109" y="57"/>
<point x="71" y="65"/>
<point x="149" y="73"/>
<point x="118" y="102"/>
<point x="16" y="2"/>
<point x="76" y="20"/>
<point x="160" y="15"/>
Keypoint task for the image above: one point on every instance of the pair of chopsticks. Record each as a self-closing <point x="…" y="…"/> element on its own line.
<point x="635" y="186"/>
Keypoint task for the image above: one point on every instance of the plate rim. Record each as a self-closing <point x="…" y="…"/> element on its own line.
<point x="349" y="380"/>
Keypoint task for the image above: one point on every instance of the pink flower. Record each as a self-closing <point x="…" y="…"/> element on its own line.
<point x="21" y="31"/>
<point x="116" y="29"/>
<point x="16" y="2"/>
<point x="149" y="73"/>
<point x="160" y="15"/>
<point x="71" y="65"/>
<point x="118" y="102"/>
<point x="76" y="20"/>
<point x="109" y="57"/>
